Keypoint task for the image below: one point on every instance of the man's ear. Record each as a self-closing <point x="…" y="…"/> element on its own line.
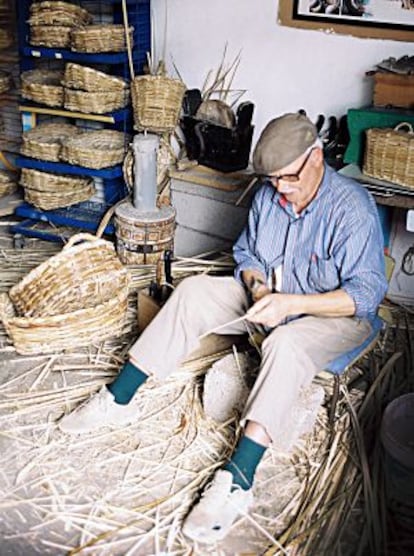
<point x="317" y="157"/>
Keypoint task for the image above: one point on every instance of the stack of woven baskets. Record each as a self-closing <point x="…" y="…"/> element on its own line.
<point x="5" y="81"/>
<point x="8" y="183"/>
<point x="75" y="298"/>
<point x="65" y="25"/>
<point x="389" y="154"/>
<point x="91" y="91"/>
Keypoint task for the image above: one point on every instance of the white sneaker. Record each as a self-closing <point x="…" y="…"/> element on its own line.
<point x="212" y="517"/>
<point x="99" y="411"/>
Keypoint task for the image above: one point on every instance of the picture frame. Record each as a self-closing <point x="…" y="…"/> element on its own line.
<point x="360" y="18"/>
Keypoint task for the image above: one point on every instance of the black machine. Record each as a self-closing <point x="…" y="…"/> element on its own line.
<point x="216" y="146"/>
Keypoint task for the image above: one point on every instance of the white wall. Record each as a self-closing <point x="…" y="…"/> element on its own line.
<point x="283" y="69"/>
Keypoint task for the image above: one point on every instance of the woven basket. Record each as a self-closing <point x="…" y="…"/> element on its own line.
<point x="45" y="140"/>
<point x="89" y="79"/>
<point x="69" y="330"/>
<point x="52" y="36"/>
<point x="100" y="38"/>
<point x="86" y="272"/>
<point x="50" y="191"/>
<point x="6" y="81"/>
<point x="389" y="154"/>
<point x="43" y="86"/>
<point x="95" y="149"/>
<point x="156" y="101"/>
<point x="7" y="183"/>
<point x="99" y="102"/>
<point x="58" y="13"/>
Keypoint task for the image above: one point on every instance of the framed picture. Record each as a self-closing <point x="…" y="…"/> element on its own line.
<point x="380" y="19"/>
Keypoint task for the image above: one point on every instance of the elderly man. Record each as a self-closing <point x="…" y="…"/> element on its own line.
<point x="310" y="270"/>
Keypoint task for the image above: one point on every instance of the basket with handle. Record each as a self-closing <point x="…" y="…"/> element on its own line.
<point x="389" y="154"/>
<point x="75" y="298"/>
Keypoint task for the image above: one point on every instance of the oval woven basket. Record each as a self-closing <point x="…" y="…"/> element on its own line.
<point x="100" y="38"/>
<point x="95" y="149"/>
<point x="49" y="191"/>
<point x="96" y="102"/>
<point x="43" y="86"/>
<point x="89" y="79"/>
<point x="86" y="272"/>
<point x="58" y="13"/>
<point x="156" y="102"/>
<point x="6" y="81"/>
<point x="52" y="36"/>
<point x="48" y="334"/>
<point x="389" y="154"/>
<point x="45" y="140"/>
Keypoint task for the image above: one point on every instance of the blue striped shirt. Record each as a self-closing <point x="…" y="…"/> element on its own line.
<point x="335" y="243"/>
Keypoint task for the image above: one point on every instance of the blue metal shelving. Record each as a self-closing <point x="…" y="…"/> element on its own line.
<point x="85" y="215"/>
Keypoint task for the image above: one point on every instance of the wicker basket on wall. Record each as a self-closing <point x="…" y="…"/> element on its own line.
<point x="7" y="183"/>
<point x="95" y="149"/>
<point x="49" y="191"/>
<point x="6" y="81"/>
<point x="42" y="86"/>
<point x="75" y="298"/>
<point x="389" y="154"/>
<point x="100" y="38"/>
<point x="95" y="102"/>
<point x="45" y="140"/>
<point x="156" y="101"/>
<point x="89" y="79"/>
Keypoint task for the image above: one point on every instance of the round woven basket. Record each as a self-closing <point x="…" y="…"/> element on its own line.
<point x="6" y="81"/>
<point x="7" y="183"/>
<point x="95" y="102"/>
<point x="89" y="79"/>
<point x="58" y="13"/>
<point x="42" y="86"/>
<point x="45" y="140"/>
<point x="95" y="149"/>
<point x="70" y="330"/>
<point x="50" y="191"/>
<point x="156" y="102"/>
<point x="52" y="36"/>
<point x="85" y="273"/>
<point x="100" y="38"/>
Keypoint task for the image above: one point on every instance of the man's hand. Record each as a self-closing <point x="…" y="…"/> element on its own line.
<point x="256" y="284"/>
<point x="272" y="309"/>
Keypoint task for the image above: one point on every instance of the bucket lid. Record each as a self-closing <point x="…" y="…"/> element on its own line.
<point x="397" y="429"/>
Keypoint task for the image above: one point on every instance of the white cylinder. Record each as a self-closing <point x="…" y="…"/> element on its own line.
<point x="145" y="149"/>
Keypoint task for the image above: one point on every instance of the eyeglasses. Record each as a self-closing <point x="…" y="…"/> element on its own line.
<point x="291" y="178"/>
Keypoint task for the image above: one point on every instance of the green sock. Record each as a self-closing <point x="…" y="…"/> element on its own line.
<point x="127" y="383"/>
<point x="244" y="462"/>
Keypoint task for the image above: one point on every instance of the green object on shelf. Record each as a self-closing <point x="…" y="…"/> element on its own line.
<point x="360" y="119"/>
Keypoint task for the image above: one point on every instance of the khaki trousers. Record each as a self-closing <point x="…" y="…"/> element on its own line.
<point x="291" y="354"/>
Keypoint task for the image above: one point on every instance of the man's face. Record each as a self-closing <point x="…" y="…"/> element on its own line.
<point x="299" y="181"/>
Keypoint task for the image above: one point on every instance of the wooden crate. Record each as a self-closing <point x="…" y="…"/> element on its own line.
<point x="391" y="89"/>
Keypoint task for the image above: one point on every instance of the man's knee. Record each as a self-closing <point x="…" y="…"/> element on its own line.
<point x="192" y="288"/>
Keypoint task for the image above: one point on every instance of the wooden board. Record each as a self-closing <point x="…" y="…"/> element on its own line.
<point x="201" y="175"/>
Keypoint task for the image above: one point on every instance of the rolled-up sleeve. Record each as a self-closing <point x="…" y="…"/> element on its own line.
<point x="244" y="249"/>
<point x="361" y="260"/>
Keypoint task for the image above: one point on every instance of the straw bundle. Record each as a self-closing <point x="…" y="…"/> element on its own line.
<point x="64" y="331"/>
<point x="96" y="102"/>
<point x="45" y="140"/>
<point x="389" y="154"/>
<point x="5" y="81"/>
<point x="85" y="273"/>
<point x="100" y="38"/>
<point x="6" y="38"/>
<point x="58" y="13"/>
<point x="89" y="79"/>
<point x="95" y="149"/>
<point x="49" y="191"/>
<point x="156" y="101"/>
<point x="7" y="183"/>
<point x="43" y="86"/>
<point x="52" y="36"/>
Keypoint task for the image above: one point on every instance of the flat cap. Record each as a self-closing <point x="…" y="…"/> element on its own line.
<point x="282" y="141"/>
